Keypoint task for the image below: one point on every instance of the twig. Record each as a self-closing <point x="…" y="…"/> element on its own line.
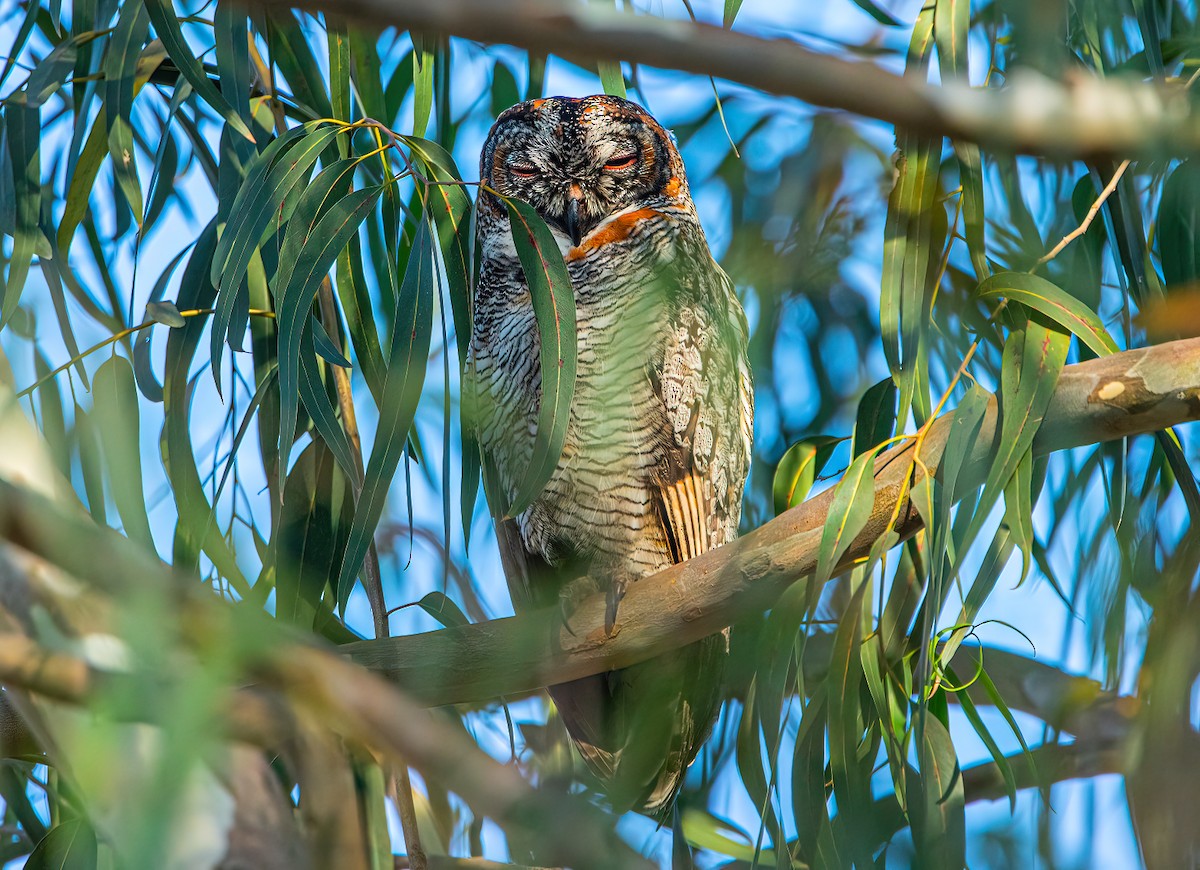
<point x="400" y="785"/>
<point x="1088" y="218"/>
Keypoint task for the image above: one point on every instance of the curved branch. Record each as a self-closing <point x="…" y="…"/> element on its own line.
<point x="1031" y="114"/>
<point x="1138" y="391"/>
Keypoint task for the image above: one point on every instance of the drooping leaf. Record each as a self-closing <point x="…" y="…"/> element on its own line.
<point x="1178" y="228"/>
<point x="195" y="512"/>
<point x="554" y="310"/>
<point x="115" y="413"/>
<point x="936" y="801"/>
<point x="166" y="27"/>
<point x="120" y="70"/>
<point x="422" y="78"/>
<point x="313" y="524"/>
<point x="1055" y="303"/>
<point x="1034" y="355"/>
<point x="876" y="419"/>
<point x="271" y="180"/>
<point x="309" y="250"/>
<point x="23" y="134"/>
<point x="407" y="359"/>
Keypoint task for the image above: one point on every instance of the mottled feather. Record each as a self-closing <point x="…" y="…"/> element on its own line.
<point x="658" y="444"/>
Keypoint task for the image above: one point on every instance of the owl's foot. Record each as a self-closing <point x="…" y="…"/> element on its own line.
<point x="615" y="593"/>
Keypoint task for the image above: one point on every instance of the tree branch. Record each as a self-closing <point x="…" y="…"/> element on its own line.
<point x="1031" y="114"/>
<point x="1138" y="391"/>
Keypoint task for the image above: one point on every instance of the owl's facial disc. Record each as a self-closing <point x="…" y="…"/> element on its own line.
<point x="577" y="161"/>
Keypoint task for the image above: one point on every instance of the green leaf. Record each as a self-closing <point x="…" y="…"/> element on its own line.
<point x="1018" y="510"/>
<point x="166" y="26"/>
<point x="1034" y="356"/>
<point x="23" y="134"/>
<point x="1055" y="303"/>
<point x="554" y="310"/>
<point x="328" y="351"/>
<point x="422" y="77"/>
<point x="851" y="777"/>
<point x="195" y="513"/>
<point x="290" y="49"/>
<point x="798" y="469"/>
<point x="318" y="404"/>
<point x="338" y="43"/>
<point x="47" y="77"/>
<point x="731" y="10"/>
<point x="271" y="180"/>
<point x="407" y="361"/>
<point x="233" y="56"/>
<point x="881" y="15"/>
<point x="143" y="369"/>
<point x="20" y="39"/>
<point x="1178" y="230"/>
<point x="849" y="511"/>
<point x="703" y="830"/>
<point x="166" y="313"/>
<point x="313" y="525"/>
<point x="504" y="89"/>
<point x="315" y="237"/>
<point x="936" y="801"/>
<point x="1001" y="760"/>
<point x="612" y="80"/>
<point x="120" y="70"/>
<point x="876" y="419"/>
<point x="442" y="608"/>
<point x="115" y="413"/>
<point x="69" y="845"/>
<point x="367" y="77"/>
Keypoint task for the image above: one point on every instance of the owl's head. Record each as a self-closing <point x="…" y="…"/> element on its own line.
<point x="579" y="160"/>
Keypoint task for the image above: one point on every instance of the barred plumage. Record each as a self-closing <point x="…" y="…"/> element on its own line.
<point x="659" y="440"/>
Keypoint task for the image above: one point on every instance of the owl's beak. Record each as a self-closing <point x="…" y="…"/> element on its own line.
<point x="574" y="200"/>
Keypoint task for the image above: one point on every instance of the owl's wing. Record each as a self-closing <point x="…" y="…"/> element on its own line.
<point x="703" y="380"/>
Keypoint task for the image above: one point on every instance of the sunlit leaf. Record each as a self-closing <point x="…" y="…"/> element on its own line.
<point x="849" y="511"/>
<point x="1055" y="303"/>
<point x="798" y="470"/>
<point x="422" y="78"/>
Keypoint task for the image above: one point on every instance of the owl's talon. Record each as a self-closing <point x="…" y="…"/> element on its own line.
<point x="615" y="593"/>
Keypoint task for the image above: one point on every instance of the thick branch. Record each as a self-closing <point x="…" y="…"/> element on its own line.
<point x="1030" y="114"/>
<point x="1137" y="391"/>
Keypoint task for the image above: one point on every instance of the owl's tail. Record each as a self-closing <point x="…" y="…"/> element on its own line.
<point x="639" y="728"/>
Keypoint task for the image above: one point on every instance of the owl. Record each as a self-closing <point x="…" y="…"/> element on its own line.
<point x="659" y="436"/>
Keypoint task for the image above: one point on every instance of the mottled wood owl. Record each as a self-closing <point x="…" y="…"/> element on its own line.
<point x="659" y="438"/>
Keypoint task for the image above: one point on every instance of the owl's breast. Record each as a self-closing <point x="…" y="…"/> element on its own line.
<point x="597" y="500"/>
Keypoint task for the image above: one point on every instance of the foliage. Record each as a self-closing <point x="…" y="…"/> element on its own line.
<point x="237" y="258"/>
